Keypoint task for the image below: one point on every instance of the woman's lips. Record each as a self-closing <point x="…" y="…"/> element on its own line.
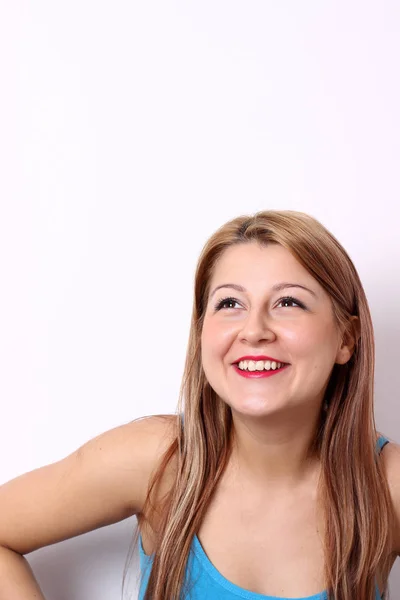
<point x="258" y="374"/>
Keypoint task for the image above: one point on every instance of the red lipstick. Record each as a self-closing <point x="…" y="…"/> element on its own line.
<point x="259" y="374"/>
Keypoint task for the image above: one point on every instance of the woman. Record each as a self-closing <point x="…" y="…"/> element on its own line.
<point x="271" y="481"/>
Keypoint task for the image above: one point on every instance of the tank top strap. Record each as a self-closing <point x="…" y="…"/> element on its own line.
<point x="381" y="443"/>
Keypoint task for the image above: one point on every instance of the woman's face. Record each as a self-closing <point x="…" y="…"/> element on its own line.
<point x="250" y="316"/>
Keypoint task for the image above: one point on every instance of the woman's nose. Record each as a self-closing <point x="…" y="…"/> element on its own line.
<point x="257" y="328"/>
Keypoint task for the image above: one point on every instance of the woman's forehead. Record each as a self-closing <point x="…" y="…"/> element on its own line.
<point x="254" y="262"/>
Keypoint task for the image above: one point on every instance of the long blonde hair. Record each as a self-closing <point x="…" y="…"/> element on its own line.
<point x="354" y="494"/>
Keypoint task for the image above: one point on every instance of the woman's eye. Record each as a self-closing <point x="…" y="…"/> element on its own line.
<point x="291" y="300"/>
<point x="224" y="303"/>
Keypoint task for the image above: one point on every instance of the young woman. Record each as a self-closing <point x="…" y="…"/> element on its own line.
<point x="271" y="482"/>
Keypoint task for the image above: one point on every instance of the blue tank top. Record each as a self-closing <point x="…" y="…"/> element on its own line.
<point x="206" y="581"/>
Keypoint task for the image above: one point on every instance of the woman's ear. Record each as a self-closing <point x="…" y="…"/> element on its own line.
<point x="349" y="341"/>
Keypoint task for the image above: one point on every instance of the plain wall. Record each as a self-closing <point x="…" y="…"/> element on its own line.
<point x="130" y="131"/>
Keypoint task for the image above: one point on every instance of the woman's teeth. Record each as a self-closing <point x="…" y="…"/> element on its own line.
<point x="259" y="365"/>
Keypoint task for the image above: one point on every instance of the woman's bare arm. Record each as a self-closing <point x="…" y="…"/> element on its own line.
<point x="16" y="578"/>
<point x="103" y="482"/>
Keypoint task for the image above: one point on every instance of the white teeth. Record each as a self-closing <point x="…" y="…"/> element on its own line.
<point x="259" y="365"/>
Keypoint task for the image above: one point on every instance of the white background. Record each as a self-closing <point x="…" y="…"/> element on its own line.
<point x="130" y="131"/>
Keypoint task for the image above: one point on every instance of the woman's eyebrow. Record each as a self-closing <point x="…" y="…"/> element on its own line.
<point x="275" y="288"/>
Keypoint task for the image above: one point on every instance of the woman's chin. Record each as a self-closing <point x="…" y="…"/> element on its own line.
<point x="256" y="408"/>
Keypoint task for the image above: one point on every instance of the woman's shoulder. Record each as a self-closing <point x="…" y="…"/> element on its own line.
<point x="157" y="433"/>
<point x="390" y="456"/>
<point x="132" y="452"/>
<point x="390" y="453"/>
<point x="159" y="429"/>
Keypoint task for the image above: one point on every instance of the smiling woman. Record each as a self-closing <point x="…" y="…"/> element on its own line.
<point x="302" y="332"/>
<point x="270" y="483"/>
<point x="279" y="491"/>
